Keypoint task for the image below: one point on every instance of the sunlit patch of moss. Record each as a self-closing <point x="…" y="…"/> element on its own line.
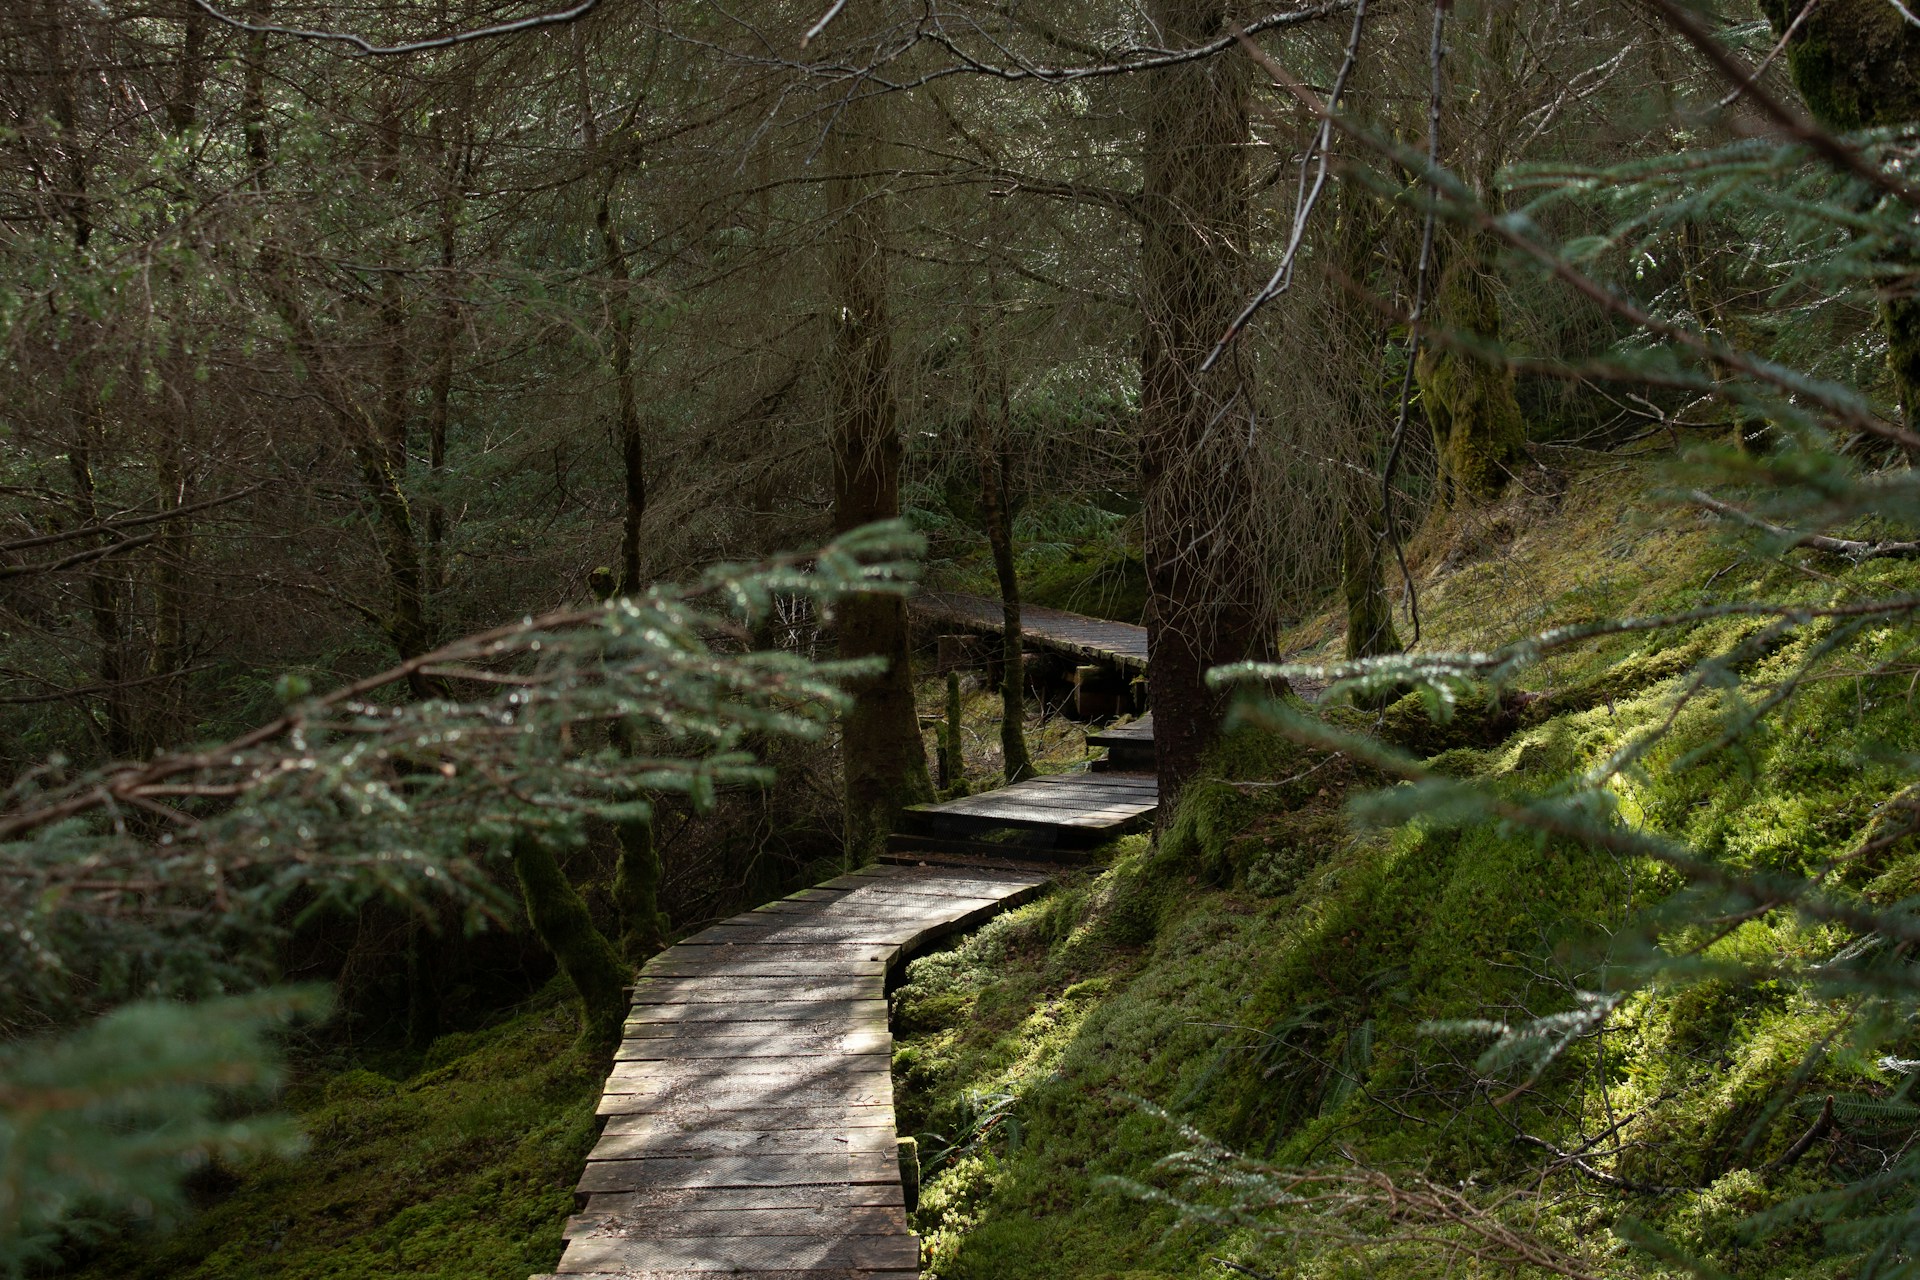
<point x="1284" y="950"/>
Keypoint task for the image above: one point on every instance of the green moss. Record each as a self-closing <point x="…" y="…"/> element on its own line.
<point x="462" y="1171"/>
<point x="1856" y="62"/>
<point x="1469" y="400"/>
<point x="1272" y="977"/>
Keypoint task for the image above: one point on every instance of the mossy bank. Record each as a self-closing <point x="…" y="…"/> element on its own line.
<point x="1294" y="987"/>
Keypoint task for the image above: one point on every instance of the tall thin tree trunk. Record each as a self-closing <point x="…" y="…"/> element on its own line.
<point x="1206" y="583"/>
<point x="103" y="595"/>
<point x="1357" y="232"/>
<point x="882" y="755"/>
<point x="636" y="892"/>
<point x="440" y="386"/>
<point x="633" y="457"/>
<point x="991" y="440"/>
<point x="103" y="606"/>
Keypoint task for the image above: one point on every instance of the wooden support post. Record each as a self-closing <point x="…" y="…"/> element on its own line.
<point x="956" y="653"/>
<point x="1098" y="692"/>
<point x="953" y="746"/>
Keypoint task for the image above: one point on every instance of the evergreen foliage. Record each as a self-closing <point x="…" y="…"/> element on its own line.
<point x="170" y="879"/>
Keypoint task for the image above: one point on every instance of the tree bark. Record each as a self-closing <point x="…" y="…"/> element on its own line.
<point x="991" y="432"/>
<point x="636" y="892"/>
<point x="883" y="759"/>
<point x="560" y="920"/>
<point x="1469" y="400"/>
<point x="1856" y="64"/>
<point x="1206" y="585"/>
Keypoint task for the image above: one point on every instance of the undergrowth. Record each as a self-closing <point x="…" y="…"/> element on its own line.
<point x="459" y="1165"/>
<point x="1274" y="977"/>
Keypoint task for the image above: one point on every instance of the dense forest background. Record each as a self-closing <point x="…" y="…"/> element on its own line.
<point x="462" y="464"/>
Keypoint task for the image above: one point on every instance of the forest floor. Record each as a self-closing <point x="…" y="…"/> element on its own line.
<point x="457" y="1163"/>
<point x="1267" y="975"/>
<point x="1271" y="979"/>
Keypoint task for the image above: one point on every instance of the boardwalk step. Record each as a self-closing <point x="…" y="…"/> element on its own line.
<point x="1118" y="643"/>
<point x="740" y="1253"/>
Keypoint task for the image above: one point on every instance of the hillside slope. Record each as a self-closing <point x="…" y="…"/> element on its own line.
<point x="1272" y="978"/>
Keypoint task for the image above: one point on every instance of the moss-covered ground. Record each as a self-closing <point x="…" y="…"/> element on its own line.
<point x="458" y="1164"/>
<point x="1273" y="977"/>
<point x="1269" y="974"/>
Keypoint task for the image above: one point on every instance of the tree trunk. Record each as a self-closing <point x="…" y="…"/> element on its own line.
<point x="560" y="920"/>
<point x="626" y="403"/>
<point x="1477" y="428"/>
<point x="1857" y="65"/>
<point x="884" y="761"/>
<point x="1206" y="584"/>
<point x="991" y="432"/>
<point x="636" y="892"/>
<point x="1354" y="262"/>
<point x="633" y="458"/>
<point x="378" y="448"/>
<point x="103" y="606"/>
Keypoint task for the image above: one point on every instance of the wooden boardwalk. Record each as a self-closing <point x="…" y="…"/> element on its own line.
<point x="749" y="1123"/>
<point x="1129" y="746"/>
<point x="749" y="1117"/>
<point x="1094" y="639"/>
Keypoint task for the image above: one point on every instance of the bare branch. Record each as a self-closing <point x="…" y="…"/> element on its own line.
<point x="76" y="559"/>
<point x="1851" y="548"/>
<point x="1842" y="155"/>
<point x="365" y="47"/>
<point x="130" y="522"/>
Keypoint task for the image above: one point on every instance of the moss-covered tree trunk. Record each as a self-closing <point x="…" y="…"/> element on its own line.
<point x="952" y="736"/>
<point x="1477" y="428"/>
<point x="636" y="892"/>
<point x="1354" y="260"/>
<point x="560" y="920"/>
<point x="884" y="762"/>
<point x="1207" y="582"/>
<point x="1857" y="65"/>
<point x="1363" y="578"/>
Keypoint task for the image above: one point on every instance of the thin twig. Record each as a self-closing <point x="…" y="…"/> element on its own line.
<point x="367" y="48"/>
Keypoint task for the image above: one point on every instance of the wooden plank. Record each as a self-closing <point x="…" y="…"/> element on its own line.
<point x="684" y="989"/>
<point x="832" y="1043"/>
<point x="852" y="933"/>
<point x="839" y="1120"/>
<point x="670" y="1200"/>
<point x="650" y="1273"/>
<point x="683" y="1143"/>
<point x="704" y="1094"/>
<point x="736" y="1253"/>
<point x="767" y="1075"/>
<point x="939" y="876"/>
<point x="749" y="1010"/>
<point x="796" y="961"/>
<point x="819" y="1273"/>
<point x="691" y="1172"/>
<point x="617" y="1221"/>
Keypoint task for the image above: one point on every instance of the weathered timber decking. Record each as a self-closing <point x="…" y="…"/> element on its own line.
<point x="1070" y="808"/>
<point x="1095" y="639"/>
<point x="749" y="1116"/>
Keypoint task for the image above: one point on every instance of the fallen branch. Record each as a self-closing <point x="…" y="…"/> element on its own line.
<point x="1818" y="1130"/>
<point x="1850" y="548"/>
<point x="1598" y="1175"/>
